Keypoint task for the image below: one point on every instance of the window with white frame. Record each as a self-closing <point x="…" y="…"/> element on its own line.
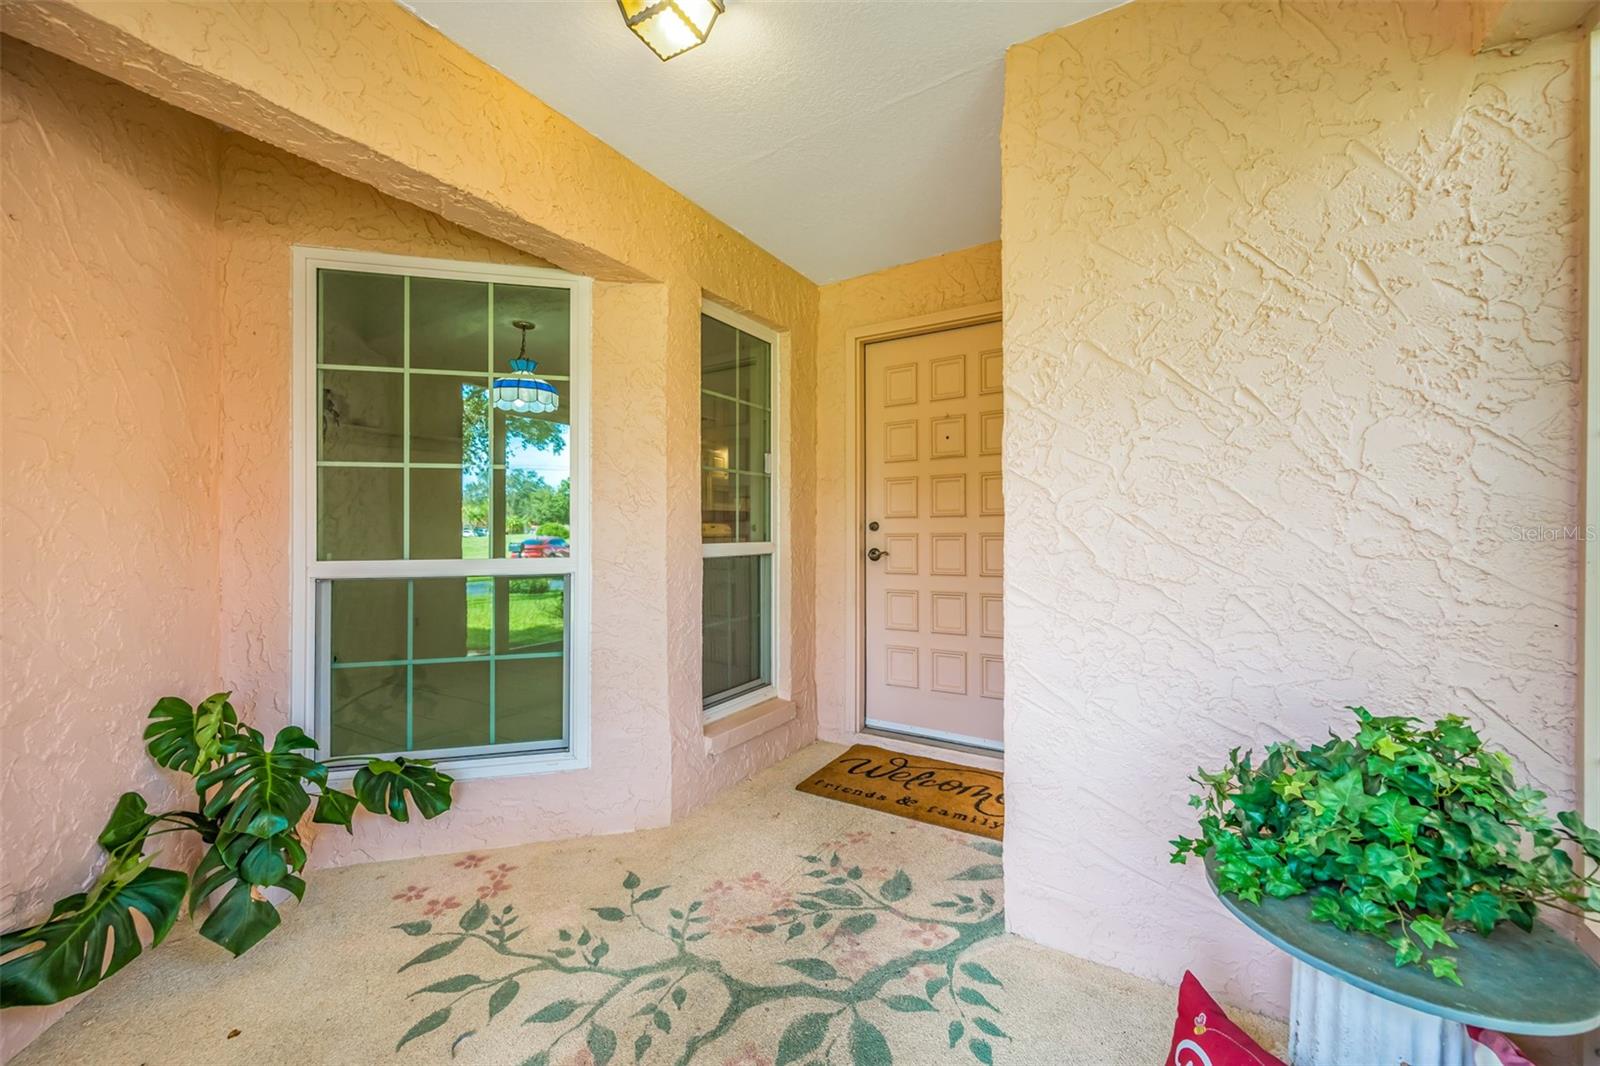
<point x="441" y="537"/>
<point x="739" y="490"/>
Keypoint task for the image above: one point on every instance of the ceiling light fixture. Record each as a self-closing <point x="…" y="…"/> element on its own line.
<point x="671" y="27"/>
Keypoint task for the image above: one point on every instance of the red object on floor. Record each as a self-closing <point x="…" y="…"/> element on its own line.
<point x="1205" y="1036"/>
<point x="1499" y="1045"/>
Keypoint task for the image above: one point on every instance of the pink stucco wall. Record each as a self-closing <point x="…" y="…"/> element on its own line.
<point x="109" y="447"/>
<point x="1292" y="344"/>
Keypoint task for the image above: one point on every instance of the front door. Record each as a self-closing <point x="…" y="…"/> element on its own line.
<point x="935" y="536"/>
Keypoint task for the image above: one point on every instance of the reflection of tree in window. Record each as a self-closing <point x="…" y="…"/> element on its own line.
<point x="530" y="500"/>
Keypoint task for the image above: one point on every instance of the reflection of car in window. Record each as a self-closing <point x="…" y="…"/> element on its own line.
<point x="539" y="548"/>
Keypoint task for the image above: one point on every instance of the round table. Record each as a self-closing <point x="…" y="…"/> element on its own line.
<point x="1350" y="1004"/>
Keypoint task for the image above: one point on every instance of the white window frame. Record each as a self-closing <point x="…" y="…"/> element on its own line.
<point x="307" y="703"/>
<point x="776" y="548"/>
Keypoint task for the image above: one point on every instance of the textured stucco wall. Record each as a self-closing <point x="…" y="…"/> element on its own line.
<point x="180" y="289"/>
<point x="941" y="283"/>
<point x="1292" y="315"/>
<point x="270" y="201"/>
<point x="401" y="108"/>
<point x="109" y="443"/>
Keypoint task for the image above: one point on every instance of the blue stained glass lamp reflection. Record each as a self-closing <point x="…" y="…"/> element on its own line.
<point x="520" y="391"/>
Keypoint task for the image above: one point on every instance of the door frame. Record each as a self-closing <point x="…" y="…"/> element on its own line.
<point x="855" y="533"/>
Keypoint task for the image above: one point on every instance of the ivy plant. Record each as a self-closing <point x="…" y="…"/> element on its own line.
<point x="251" y="799"/>
<point x="1401" y="833"/>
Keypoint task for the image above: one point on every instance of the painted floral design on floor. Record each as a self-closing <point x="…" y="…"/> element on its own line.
<point x="857" y="947"/>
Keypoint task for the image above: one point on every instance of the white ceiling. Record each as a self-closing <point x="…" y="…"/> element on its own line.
<point x="843" y="136"/>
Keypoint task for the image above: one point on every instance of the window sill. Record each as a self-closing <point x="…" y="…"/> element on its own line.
<point x="744" y="726"/>
<point x="519" y="764"/>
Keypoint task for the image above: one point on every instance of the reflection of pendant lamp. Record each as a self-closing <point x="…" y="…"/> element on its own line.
<point x="520" y="391"/>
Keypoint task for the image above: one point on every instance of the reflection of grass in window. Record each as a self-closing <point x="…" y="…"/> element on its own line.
<point x="536" y="620"/>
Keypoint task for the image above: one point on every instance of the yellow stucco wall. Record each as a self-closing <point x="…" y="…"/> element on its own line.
<point x="1293" y="321"/>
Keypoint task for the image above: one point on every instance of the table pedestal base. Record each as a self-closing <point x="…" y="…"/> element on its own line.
<point x="1334" y="1023"/>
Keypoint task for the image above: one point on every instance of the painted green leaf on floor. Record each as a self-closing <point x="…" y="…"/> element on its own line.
<point x="866" y="949"/>
<point x="867" y="1045"/>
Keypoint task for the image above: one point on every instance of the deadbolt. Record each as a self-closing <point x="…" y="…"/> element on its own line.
<point x="872" y="526"/>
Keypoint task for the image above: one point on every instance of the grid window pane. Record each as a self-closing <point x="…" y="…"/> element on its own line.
<point x="533" y="489"/>
<point x="441" y="664"/>
<point x="361" y="417"/>
<point x="449" y="324"/>
<point x="736" y="648"/>
<point x="550" y="340"/>
<point x="735" y="508"/>
<point x="414" y="465"/>
<point x="359" y="512"/>
<point x="361" y="318"/>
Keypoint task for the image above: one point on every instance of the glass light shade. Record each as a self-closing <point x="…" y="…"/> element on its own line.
<point x="671" y="27"/>
<point x="520" y="391"/>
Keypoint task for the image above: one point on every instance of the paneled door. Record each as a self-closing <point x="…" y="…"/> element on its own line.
<point x="935" y="537"/>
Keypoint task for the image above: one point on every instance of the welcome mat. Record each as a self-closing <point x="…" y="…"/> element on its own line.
<point x="945" y="794"/>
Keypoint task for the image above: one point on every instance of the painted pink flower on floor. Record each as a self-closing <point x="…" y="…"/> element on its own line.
<point x="471" y="861"/>
<point x="928" y="934"/>
<point x="411" y="893"/>
<point x="582" y="1057"/>
<point x="499" y="881"/>
<point x="716" y="890"/>
<point x="755" y="881"/>
<point x="854" y="960"/>
<point x="748" y="1055"/>
<point x="436" y="907"/>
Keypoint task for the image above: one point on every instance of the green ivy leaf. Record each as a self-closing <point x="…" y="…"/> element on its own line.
<point x="1443" y="966"/>
<point x="984" y="872"/>
<point x="679" y="994"/>
<point x="650" y="893"/>
<point x="640" y="1046"/>
<point x="1588" y="839"/>
<point x="981" y="1051"/>
<point x="415" y="928"/>
<point x="955" y="1033"/>
<point x="610" y="914"/>
<point x="1482" y="910"/>
<point x="630" y="882"/>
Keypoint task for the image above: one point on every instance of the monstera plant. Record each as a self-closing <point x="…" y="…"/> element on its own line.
<point x="1408" y="834"/>
<point x="251" y="800"/>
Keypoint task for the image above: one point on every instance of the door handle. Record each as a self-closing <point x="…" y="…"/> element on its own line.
<point x="876" y="553"/>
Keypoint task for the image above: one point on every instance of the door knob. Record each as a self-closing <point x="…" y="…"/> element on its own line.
<point x="876" y="553"/>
